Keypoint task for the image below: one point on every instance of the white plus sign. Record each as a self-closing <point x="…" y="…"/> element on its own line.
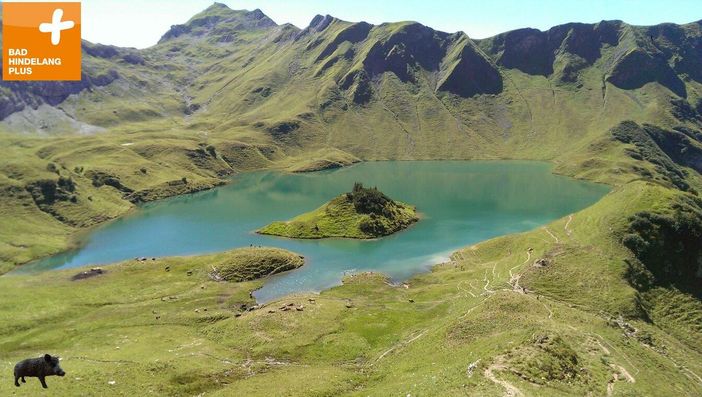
<point x="56" y="26"/>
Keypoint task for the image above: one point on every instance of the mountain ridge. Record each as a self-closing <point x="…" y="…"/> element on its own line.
<point x="563" y="51"/>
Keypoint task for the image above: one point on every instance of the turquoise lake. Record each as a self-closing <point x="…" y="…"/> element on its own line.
<point x="461" y="202"/>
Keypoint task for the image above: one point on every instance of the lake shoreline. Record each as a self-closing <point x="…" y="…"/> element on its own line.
<point x="462" y="203"/>
<point x="74" y="240"/>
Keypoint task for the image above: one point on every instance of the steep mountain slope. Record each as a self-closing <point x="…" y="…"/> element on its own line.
<point x="430" y="92"/>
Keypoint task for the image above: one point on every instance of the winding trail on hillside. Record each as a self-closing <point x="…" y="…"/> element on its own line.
<point x="487" y="283"/>
<point x="458" y="287"/>
<point x="401" y="344"/>
<point x="687" y="370"/>
<point x="510" y="389"/>
<point x="568" y="231"/>
<point x="397" y="120"/>
<point x="620" y="373"/>
<point x="405" y="343"/>
<point x="611" y="346"/>
<point x="514" y="278"/>
<point x="96" y="360"/>
<point x="551" y="234"/>
<point x="550" y="312"/>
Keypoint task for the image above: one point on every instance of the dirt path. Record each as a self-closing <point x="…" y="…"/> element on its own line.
<point x="405" y="343"/>
<point x="514" y="278"/>
<point x="514" y="282"/>
<point x="627" y="376"/>
<point x="603" y="347"/>
<point x="611" y="346"/>
<point x="510" y="389"/>
<point x="401" y="344"/>
<point x="688" y="372"/>
<point x="487" y="283"/>
<point x="568" y="231"/>
<point x="485" y="287"/>
<point x="468" y="291"/>
<point x="551" y="234"/>
<point x="550" y="312"/>
<point x="610" y="386"/>
<point x="620" y="374"/>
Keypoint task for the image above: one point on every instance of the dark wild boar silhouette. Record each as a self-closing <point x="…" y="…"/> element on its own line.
<point x="38" y="368"/>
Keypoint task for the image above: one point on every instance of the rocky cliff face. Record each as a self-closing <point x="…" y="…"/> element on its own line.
<point x="15" y="96"/>
<point x="630" y="56"/>
<point x="468" y="72"/>
<point x="409" y="52"/>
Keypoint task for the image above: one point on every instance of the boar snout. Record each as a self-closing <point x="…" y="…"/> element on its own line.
<point x="54" y="365"/>
<point x="57" y="367"/>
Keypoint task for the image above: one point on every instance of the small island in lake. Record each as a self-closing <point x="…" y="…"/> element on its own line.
<point x="363" y="213"/>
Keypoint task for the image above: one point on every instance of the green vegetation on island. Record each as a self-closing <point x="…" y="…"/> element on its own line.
<point x="245" y="264"/>
<point x="363" y="213"/>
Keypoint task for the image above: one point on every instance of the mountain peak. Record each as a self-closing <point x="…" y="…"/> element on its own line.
<point x="317" y="24"/>
<point x="257" y="13"/>
<point x="219" y="19"/>
<point x="320" y="22"/>
<point x="218" y="6"/>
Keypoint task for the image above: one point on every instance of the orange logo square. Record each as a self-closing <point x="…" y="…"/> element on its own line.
<point x="41" y="41"/>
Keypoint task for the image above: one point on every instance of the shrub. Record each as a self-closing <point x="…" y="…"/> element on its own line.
<point x="373" y="226"/>
<point x="66" y="184"/>
<point x="369" y="200"/>
<point x="669" y="246"/>
<point x="655" y="146"/>
<point x="46" y="192"/>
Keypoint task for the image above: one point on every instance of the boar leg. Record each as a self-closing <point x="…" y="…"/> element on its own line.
<point x="17" y="383"/>
<point x="43" y="382"/>
<point x="23" y="381"/>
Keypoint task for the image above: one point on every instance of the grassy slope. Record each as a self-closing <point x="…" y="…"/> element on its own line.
<point x="246" y="264"/>
<point x="339" y="218"/>
<point x="366" y="337"/>
<point x="322" y="160"/>
<point x="140" y="296"/>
